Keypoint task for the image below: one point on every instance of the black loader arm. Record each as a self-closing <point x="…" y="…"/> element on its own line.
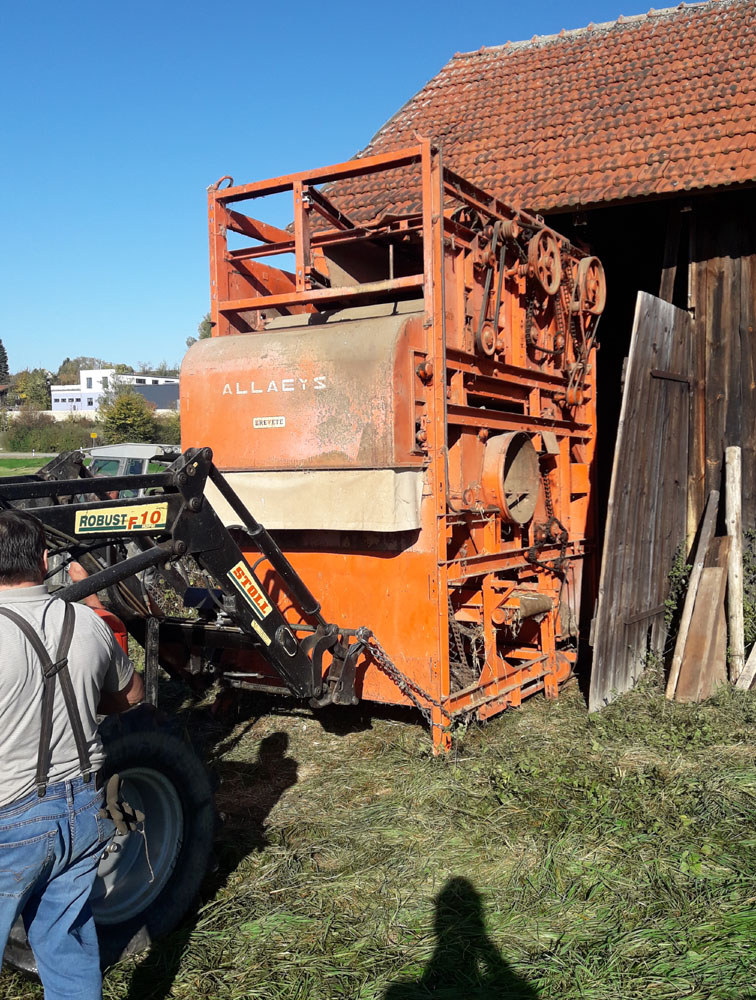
<point x="177" y="520"/>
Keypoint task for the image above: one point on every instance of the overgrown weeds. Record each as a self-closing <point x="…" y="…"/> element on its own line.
<point x="553" y="854"/>
<point x="749" y="586"/>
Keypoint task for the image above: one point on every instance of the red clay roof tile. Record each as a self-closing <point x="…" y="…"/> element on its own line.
<point x="649" y="104"/>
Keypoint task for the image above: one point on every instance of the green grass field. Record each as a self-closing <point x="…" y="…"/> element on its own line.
<point x="20" y="466"/>
<point x="552" y="855"/>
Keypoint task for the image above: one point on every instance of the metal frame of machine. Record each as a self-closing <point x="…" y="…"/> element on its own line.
<point x="499" y="407"/>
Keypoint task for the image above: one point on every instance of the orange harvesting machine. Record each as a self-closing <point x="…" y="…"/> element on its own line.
<point x="409" y="408"/>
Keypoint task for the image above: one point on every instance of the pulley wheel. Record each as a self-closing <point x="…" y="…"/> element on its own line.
<point x="590" y="286"/>
<point x="511" y="476"/>
<point x="485" y="340"/>
<point x="545" y="261"/>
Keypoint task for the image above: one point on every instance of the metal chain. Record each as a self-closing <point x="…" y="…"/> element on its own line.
<point x="547" y="492"/>
<point x="582" y="347"/>
<point x="567" y="278"/>
<point x="477" y="639"/>
<point x="561" y="329"/>
<point x="529" y="310"/>
<point x="454" y="628"/>
<point x="556" y="565"/>
<point x="411" y="689"/>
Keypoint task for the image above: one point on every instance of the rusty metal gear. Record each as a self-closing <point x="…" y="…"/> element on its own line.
<point x="545" y="260"/>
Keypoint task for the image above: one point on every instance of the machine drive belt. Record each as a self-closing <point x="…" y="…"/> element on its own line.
<point x="51" y="670"/>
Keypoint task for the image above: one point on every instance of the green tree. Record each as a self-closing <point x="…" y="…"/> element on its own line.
<point x="204" y="330"/>
<point x="168" y="429"/>
<point x="33" y="389"/>
<point x="164" y="369"/>
<point x="123" y="369"/>
<point x="70" y="368"/>
<point x="128" y="417"/>
<point x="68" y="373"/>
<point x="4" y="370"/>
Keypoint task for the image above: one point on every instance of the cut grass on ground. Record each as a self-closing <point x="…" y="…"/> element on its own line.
<point x="20" y="466"/>
<point x="553" y="855"/>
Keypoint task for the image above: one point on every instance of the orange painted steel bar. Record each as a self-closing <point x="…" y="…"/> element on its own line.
<point x="304" y="295"/>
<point x="323" y="175"/>
<point x="452" y="348"/>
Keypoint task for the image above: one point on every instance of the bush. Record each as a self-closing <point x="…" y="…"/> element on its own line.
<point x="125" y="420"/>
<point x="34" y="431"/>
<point x="168" y="430"/>
<point x="129" y="417"/>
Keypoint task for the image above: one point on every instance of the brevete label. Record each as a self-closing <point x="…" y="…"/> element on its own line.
<point x="145" y="517"/>
<point x="262" y="422"/>
<point x="242" y="578"/>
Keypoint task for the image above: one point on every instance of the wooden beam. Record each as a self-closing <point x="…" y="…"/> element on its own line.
<point x="707" y="533"/>
<point x="733" y="521"/>
<point x="671" y="253"/>
<point x="704" y="661"/>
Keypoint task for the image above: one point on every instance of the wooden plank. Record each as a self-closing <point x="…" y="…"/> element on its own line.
<point x="671" y="253"/>
<point x="745" y="680"/>
<point x="638" y="582"/>
<point x="716" y="376"/>
<point x="715" y="675"/>
<point x="729" y="326"/>
<point x="696" y="305"/>
<point x="718" y="552"/>
<point x="671" y="487"/>
<point x="733" y="508"/>
<point x="618" y="509"/>
<point x="646" y="515"/>
<point x="747" y="330"/>
<point x="707" y="532"/>
<point x="699" y="664"/>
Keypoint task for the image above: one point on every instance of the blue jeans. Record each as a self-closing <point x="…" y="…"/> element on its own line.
<point x="49" y="851"/>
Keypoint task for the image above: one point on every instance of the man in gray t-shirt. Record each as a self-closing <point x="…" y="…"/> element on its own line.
<point x="51" y="834"/>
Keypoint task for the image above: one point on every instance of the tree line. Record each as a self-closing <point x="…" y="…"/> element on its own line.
<point x="123" y="415"/>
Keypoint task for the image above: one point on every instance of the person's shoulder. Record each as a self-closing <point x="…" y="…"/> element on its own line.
<point x="91" y="622"/>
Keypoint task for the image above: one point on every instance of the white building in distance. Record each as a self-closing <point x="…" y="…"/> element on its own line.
<point x="161" y="390"/>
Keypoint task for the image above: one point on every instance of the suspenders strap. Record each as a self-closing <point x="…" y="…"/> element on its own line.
<point x="50" y="671"/>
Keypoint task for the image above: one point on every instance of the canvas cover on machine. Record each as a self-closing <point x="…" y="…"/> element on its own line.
<point x="327" y="499"/>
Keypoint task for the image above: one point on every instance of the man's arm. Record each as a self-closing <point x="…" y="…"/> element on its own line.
<point x="77" y="573"/>
<point x="113" y="702"/>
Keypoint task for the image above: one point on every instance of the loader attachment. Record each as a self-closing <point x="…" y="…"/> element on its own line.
<point x="176" y="520"/>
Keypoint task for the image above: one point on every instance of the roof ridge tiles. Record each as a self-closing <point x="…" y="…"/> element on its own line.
<point x="566" y="34"/>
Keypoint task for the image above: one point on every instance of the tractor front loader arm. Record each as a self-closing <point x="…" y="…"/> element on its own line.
<point x="178" y="520"/>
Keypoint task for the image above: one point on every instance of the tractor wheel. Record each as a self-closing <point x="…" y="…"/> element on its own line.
<point x="146" y="884"/>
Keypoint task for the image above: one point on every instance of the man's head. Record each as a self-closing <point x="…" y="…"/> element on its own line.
<point x="23" y="549"/>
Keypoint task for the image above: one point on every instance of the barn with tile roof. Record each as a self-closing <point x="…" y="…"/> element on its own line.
<point x="636" y="138"/>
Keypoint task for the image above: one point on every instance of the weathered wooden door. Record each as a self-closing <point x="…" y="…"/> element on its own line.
<point x="646" y="516"/>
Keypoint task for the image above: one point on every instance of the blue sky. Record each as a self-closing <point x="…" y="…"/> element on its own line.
<point x="116" y="116"/>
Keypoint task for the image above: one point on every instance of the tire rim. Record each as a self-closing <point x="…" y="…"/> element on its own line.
<point x="134" y="871"/>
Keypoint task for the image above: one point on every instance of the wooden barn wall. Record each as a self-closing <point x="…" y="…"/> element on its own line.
<point x="722" y="297"/>
<point x="698" y="252"/>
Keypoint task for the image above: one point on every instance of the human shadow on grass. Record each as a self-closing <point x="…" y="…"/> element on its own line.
<point x="466" y="963"/>
<point x="247" y="795"/>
